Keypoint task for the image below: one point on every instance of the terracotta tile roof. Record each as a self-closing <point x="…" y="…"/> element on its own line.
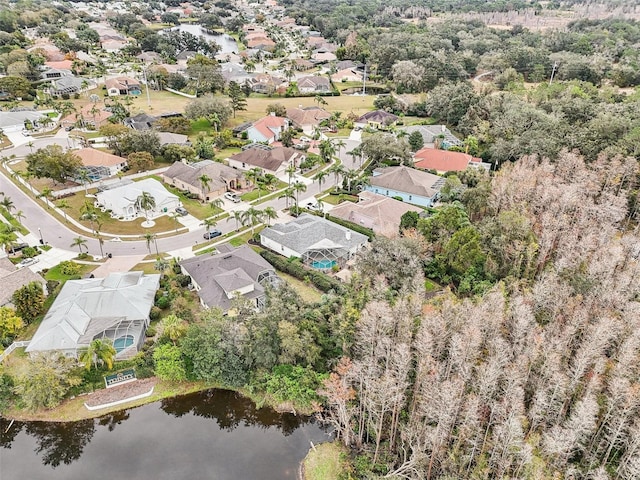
<point x="307" y="116"/>
<point x="92" y="157"/>
<point x="267" y="125"/>
<point x="442" y="160"/>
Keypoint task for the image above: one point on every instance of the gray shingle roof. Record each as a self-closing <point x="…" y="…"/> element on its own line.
<point x="407" y="180"/>
<point x="12" y="279"/>
<point x="430" y="132"/>
<point x="379" y="116"/>
<point x="269" y="159"/>
<point x="189" y="173"/>
<point x="222" y="273"/>
<point x="308" y="232"/>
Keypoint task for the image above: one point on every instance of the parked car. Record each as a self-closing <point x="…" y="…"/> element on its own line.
<point x="26" y="133"/>
<point x="69" y="128"/>
<point x="181" y="211"/>
<point x="305" y="139"/>
<point x="28" y="261"/>
<point x="234" y="197"/>
<point x="212" y="234"/>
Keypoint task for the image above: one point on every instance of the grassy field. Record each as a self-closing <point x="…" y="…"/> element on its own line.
<point x="55" y="273"/>
<point x="307" y="292"/>
<point x="325" y="462"/>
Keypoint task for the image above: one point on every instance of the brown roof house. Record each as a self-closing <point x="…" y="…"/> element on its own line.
<point x="12" y="279"/>
<point x="307" y="118"/>
<point x="314" y="84"/>
<point x="123" y="86"/>
<point x="99" y="164"/>
<point x="268" y="159"/>
<point x="377" y="212"/>
<point x="186" y="176"/>
<point x="219" y="278"/>
<point x="378" y="119"/>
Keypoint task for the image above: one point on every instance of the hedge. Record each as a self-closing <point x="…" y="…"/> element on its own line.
<point x="295" y="269"/>
<point x="347" y="224"/>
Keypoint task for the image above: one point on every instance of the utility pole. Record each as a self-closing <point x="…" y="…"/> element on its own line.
<point x="146" y="83"/>
<point x="553" y="72"/>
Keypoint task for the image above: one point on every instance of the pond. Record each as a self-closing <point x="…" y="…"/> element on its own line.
<point x="227" y="43"/>
<point x="213" y="434"/>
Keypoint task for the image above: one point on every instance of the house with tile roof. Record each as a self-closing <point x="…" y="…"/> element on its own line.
<point x="411" y="185"/>
<point x="123" y="86"/>
<point x="12" y="279"/>
<point x="307" y="118"/>
<point x="91" y="115"/>
<point x="347" y="75"/>
<point x="99" y="164"/>
<point x="269" y="160"/>
<point x="221" y="276"/>
<point x="320" y="243"/>
<point x="123" y="199"/>
<point x="446" y="161"/>
<point x="267" y="129"/>
<point x="377" y="212"/>
<point x="313" y="84"/>
<point x="186" y="176"/>
<point x="115" y="308"/>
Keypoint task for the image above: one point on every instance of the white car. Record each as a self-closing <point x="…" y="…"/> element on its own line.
<point x="233" y="197"/>
<point x="28" y="261"/>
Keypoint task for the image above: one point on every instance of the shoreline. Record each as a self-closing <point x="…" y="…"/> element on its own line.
<point x="74" y="410"/>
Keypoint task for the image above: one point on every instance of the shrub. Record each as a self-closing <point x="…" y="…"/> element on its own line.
<point x="154" y="314"/>
<point x="320" y="280"/>
<point x="353" y="226"/>
<point x="163" y="302"/>
<point x="29" y="252"/>
<point x="183" y="280"/>
<point x="68" y="267"/>
<point x="151" y="332"/>
<point x="294" y="383"/>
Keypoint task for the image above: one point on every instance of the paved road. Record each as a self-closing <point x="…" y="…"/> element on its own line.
<point x="55" y="233"/>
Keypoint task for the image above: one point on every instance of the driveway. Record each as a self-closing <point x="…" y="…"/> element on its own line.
<point x="122" y="263"/>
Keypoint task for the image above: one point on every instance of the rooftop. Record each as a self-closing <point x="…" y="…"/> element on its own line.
<point x="408" y="180"/>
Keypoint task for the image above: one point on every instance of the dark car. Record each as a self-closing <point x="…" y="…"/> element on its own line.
<point x="16" y="247"/>
<point x="181" y="211"/>
<point x="212" y="234"/>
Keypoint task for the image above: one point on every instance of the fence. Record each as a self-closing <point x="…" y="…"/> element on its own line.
<point x="12" y="347"/>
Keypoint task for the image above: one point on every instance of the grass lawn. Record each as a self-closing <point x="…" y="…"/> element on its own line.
<point x="194" y="206"/>
<point x="245" y="237"/>
<point x="254" y="194"/>
<point x="338" y="199"/>
<point x="307" y="291"/>
<point x="325" y="462"/>
<point x="200" y="126"/>
<point x="55" y="273"/>
<point x="146" y="267"/>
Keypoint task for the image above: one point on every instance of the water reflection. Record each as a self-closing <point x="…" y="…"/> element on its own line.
<point x="161" y="440"/>
<point x="226" y="43"/>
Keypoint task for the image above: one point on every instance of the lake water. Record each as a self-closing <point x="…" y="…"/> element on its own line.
<point x="227" y="43"/>
<point x="209" y="435"/>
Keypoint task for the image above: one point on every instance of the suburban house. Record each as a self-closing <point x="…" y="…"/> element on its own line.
<point x="186" y="176"/>
<point x="347" y="75"/>
<point x="99" y="164"/>
<point x="265" y="83"/>
<point x="314" y="84"/>
<point x="446" y="161"/>
<point x="220" y="277"/>
<point x="68" y="85"/>
<point x="378" y="119"/>
<point x="12" y="279"/>
<point x="320" y="243"/>
<point x="267" y="129"/>
<point x="16" y="121"/>
<point x="91" y="115"/>
<point x="234" y="72"/>
<point x="168" y="138"/>
<point x="123" y="86"/>
<point x="323" y="55"/>
<point x="113" y="46"/>
<point x="307" y="118"/>
<point x="435" y="136"/>
<point x="54" y="73"/>
<point x="269" y="160"/>
<point x="377" y="212"/>
<point x="141" y="121"/>
<point x="114" y="308"/>
<point x="123" y="199"/>
<point x="411" y="185"/>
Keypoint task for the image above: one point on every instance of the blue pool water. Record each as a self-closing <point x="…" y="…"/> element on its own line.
<point x="324" y="264"/>
<point x="123" y="342"/>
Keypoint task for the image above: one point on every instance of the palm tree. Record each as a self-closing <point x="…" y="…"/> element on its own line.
<point x="101" y="351"/>
<point x="237" y="216"/>
<point x="338" y="171"/>
<point x="161" y="265"/>
<point x="252" y="175"/>
<point x="269" y="214"/>
<point x="30" y="145"/>
<point x="209" y="223"/>
<point x="297" y="188"/>
<point x="290" y="170"/>
<point x="79" y="242"/>
<point x="146" y="202"/>
<point x="175" y="218"/>
<point x="320" y="176"/>
<point x="19" y="215"/>
<point x="89" y="212"/>
<point x="288" y="193"/>
<point x="64" y="206"/>
<point x="252" y="216"/>
<point x="327" y="150"/>
<point x="350" y="175"/>
<point x="217" y="204"/>
<point x="269" y="181"/>
<point x="46" y="194"/>
<point x="339" y="144"/>
<point x="151" y="237"/>
<point x="174" y="327"/>
<point x="205" y="181"/>
<point x="7" y="203"/>
<point x="83" y="176"/>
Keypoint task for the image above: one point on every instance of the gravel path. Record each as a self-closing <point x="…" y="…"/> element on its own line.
<point x="121" y="392"/>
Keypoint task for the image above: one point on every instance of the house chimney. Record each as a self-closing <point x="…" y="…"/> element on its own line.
<point x="347" y="234"/>
<point x="273" y="114"/>
<point x="444" y="128"/>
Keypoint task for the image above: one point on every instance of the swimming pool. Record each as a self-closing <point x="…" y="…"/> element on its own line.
<point x="121" y="343"/>
<point x="324" y="264"/>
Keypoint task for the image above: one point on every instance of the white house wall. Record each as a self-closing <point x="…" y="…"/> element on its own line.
<point x="278" y="248"/>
